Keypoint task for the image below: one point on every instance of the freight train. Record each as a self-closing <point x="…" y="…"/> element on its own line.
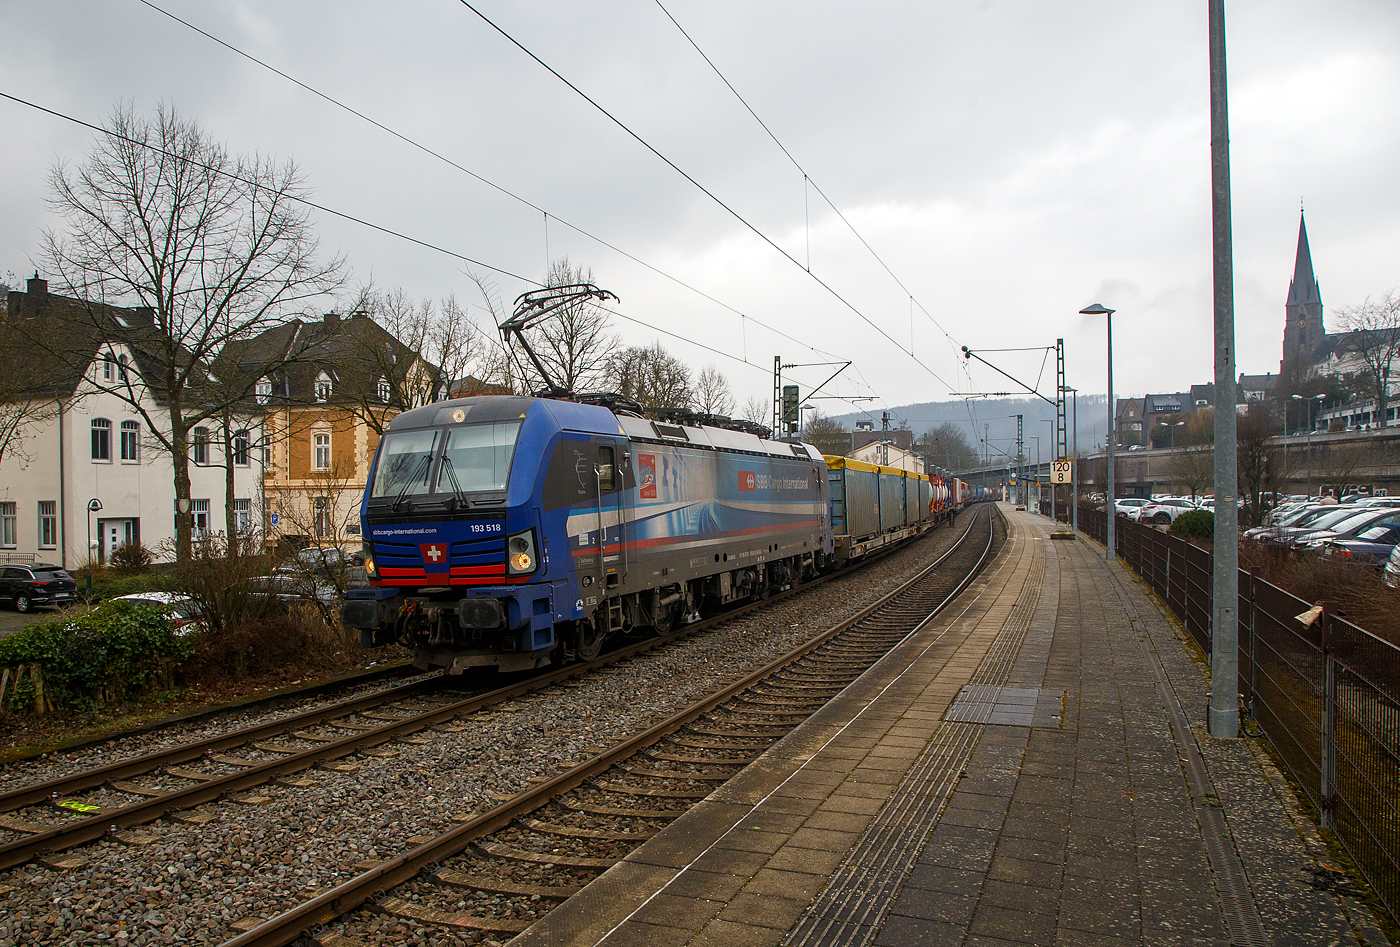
<point x="517" y="532"/>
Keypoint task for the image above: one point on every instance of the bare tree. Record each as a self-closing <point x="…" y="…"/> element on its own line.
<point x="1257" y="461"/>
<point x="712" y="394"/>
<point x="946" y="446"/>
<point x="1373" y="328"/>
<point x="652" y="376"/>
<point x="826" y="435"/>
<point x="1338" y="463"/>
<point x="407" y="354"/>
<point x="1194" y="468"/>
<point x="757" y="411"/>
<point x="575" y="344"/>
<point x="215" y="248"/>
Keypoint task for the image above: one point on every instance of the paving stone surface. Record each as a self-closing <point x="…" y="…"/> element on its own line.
<point x="1031" y="769"/>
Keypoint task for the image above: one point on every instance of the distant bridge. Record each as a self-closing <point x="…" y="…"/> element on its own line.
<point x="1369" y="460"/>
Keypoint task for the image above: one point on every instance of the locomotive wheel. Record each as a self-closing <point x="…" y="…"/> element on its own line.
<point x="665" y="621"/>
<point x="588" y="641"/>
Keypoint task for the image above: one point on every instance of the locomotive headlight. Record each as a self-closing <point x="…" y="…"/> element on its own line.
<point x="371" y="569"/>
<point x="520" y="553"/>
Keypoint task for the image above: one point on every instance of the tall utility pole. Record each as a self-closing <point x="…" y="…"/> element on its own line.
<point x="1021" y="460"/>
<point x="1061" y="433"/>
<point x="885" y="438"/>
<point x="1223" y="717"/>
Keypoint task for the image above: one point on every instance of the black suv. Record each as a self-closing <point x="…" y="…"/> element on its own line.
<point x="39" y="584"/>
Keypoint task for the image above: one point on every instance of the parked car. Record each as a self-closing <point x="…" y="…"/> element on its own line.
<point x="184" y="611"/>
<point x="1163" y="511"/>
<point x="1391" y="570"/>
<point x="288" y="588"/>
<point x="1298" y="517"/>
<point x="1282" y="535"/>
<point x="1346" y="529"/>
<point x="1124" y="506"/>
<point x="1372" y="546"/>
<point x="25" y="586"/>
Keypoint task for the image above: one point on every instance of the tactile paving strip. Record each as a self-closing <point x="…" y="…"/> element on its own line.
<point x="852" y="908"/>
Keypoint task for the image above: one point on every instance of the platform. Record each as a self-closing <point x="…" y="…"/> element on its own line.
<point x="1032" y="768"/>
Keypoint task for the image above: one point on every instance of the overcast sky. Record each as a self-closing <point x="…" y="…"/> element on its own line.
<point x="1010" y="161"/>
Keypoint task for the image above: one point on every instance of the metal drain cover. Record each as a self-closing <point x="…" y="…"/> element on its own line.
<point x="1008" y="706"/>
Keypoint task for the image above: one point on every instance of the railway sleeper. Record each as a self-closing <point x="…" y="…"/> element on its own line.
<point x="622" y="789"/>
<point x="461" y="879"/>
<point x="675" y="774"/>
<point x="511" y="853"/>
<point x="398" y="907"/>
<point x="569" y="831"/>
<point x="591" y="809"/>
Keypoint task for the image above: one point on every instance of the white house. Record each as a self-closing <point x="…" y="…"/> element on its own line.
<point x="89" y="476"/>
<point x="874" y="453"/>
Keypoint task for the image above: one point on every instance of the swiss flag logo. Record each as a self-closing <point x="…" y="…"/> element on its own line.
<point x="434" y="556"/>
<point x="748" y="482"/>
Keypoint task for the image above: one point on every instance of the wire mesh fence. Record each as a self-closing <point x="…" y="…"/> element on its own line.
<point x="1324" y="692"/>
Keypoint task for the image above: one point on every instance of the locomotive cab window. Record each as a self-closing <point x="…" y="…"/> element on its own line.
<point x="476" y="457"/>
<point x="403" y="464"/>
<point x="607" y="477"/>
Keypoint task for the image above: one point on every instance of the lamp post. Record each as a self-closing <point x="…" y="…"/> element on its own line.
<point x="1314" y="400"/>
<point x="1098" y="310"/>
<point x="1036" y="438"/>
<point x="1171" y="434"/>
<point x="94" y="506"/>
<point x="1074" y="463"/>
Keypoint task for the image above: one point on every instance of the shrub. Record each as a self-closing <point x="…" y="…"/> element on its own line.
<point x="1195" y="524"/>
<point x="115" y="651"/>
<point x="130" y="558"/>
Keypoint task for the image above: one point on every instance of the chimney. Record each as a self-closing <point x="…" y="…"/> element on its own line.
<point x="359" y="314"/>
<point x="37" y="287"/>
<point x="332" y="318"/>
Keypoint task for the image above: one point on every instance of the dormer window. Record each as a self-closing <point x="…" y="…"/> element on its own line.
<point x="384" y="390"/>
<point x="323" y="387"/>
<point x="263" y="390"/>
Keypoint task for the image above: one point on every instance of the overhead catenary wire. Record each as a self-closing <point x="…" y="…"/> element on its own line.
<point x="806" y="178"/>
<point x="501" y="189"/>
<point x="315" y="205"/>
<point x="704" y="190"/>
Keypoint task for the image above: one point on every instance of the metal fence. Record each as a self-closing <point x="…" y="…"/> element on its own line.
<point x="1325" y="693"/>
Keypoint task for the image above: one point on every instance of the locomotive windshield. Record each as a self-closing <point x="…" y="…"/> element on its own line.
<point x="469" y="458"/>
<point x="477" y="457"/>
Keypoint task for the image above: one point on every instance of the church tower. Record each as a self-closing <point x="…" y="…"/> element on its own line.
<point x="1302" y="331"/>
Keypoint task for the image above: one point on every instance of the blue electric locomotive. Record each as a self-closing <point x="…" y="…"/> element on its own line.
<point x="515" y="532"/>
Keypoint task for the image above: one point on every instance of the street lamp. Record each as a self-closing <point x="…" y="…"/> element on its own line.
<point x="93" y="506"/>
<point x="1171" y="434"/>
<point x="1314" y="400"/>
<point x="1098" y="310"/>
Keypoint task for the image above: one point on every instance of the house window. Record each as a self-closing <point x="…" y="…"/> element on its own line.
<point x="200" y="509"/>
<point x="243" y="515"/>
<point x="321" y="516"/>
<point x="9" y="520"/>
<point x="323" y="387"/>
<point x="121" y="367"/>
<point x="48" y="524"/>
<point x="240" y="448"/>
<point x="384" y="390"/>
<point x="267" y="456"/>
<point x="263" y="390"/>
<point x="322" y="459"/>
<point x="102" y="440"/>
<point x="107" y="368"/>
<point x="201" y="446"/>
<point x="131" y="440"/>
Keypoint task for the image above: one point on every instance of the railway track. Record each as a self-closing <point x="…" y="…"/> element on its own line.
<point x="48" y="818"/>
<point x="498" y="872"/>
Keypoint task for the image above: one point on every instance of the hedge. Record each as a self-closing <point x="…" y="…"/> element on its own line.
<point x="117" y="650"/>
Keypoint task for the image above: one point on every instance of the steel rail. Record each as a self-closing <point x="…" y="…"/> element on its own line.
<point x="94" y="827"/>
<point x="344" y="898"/>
